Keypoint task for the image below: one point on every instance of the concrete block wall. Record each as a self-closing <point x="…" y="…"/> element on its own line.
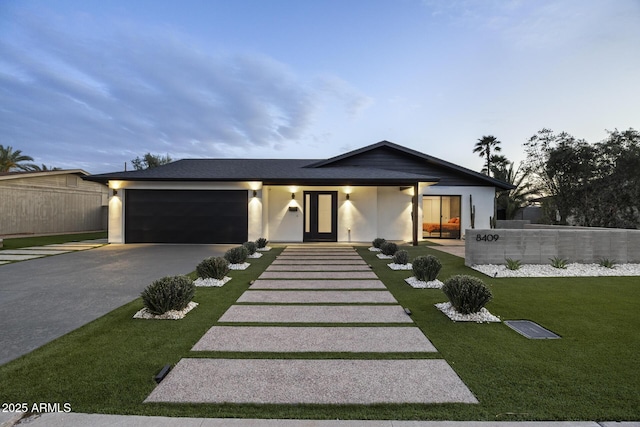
<point x="493" y="246"/>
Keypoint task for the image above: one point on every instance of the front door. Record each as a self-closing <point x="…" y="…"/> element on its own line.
<point x="320" y="216"/>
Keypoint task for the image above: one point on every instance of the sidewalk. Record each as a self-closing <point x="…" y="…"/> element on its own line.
<point x="100" y="420"/>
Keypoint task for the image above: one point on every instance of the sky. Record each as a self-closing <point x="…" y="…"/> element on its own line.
<point x="95" y="84"/>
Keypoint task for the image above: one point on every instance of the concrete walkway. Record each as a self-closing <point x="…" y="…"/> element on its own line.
<point x="373" y="322"/>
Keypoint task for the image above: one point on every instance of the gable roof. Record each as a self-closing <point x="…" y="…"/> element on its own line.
<point x="33" y="174"/>
<point x="383" y="163"/>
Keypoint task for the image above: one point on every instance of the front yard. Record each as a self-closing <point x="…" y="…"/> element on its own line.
<point x="591" y="373"/>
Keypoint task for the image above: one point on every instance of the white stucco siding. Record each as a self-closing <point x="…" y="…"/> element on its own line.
<point x="483" y="199"/>
<point x="357" y="217"/>
<point x="394" y="214"/>
<point x="284" y="225"/>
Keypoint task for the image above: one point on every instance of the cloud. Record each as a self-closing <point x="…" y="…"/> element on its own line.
<point x="72" y="95"/>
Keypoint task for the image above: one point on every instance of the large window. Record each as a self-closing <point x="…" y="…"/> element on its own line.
<point x="441" y="217"/>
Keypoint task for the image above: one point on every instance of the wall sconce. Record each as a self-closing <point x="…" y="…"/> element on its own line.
<point x="255" y="193"/>
<point x="115" y="192"/>
<point x="293" y="196"/>
<point x="348" y="196"/>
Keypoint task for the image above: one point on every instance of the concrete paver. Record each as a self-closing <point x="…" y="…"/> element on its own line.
<point x="318" y="275"/>
<point x="11" y="257"/>
<point x="317" y="297"/>
<point x="33" y="252"/>
<point x="324" y="381"/>
<point x="318" y="267"/>
<point x="344" y="339"/>
<point x="317" y="284"/>
<point x="296" y="261"/>
<point x="316" y="314"/>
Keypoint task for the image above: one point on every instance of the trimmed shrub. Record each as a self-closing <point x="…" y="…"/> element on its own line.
<point x="168" y="293"/>
<point x="426" y="268"/>
<point x="261" y="243"/>
<point x="389" y="248"/>
<point x="236" y="255"/>
<point x="214" y="268"/>
<point x="377" y="242"/>
<point x="467" y="294"/>
<point x="401" y="257"/>
<point x="251" y="247"/>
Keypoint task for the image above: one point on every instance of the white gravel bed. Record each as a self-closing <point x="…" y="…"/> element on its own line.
<point x="255" y="255"/>
<point x="481" y="317"/>
<point x="211" y="282"/>
<point x="383" y="256"/>
<point x="572" y="270"/>
<point x="419" y="284"/>
<point x="395" y="266"/>
<point x="265" y="249"/>
<point x="170" y="315"/>
<point x="372" y="249"/>
<point x="242" y="266"/>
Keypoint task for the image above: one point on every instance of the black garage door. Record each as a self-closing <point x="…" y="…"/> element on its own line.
<point x="186" y="216"/>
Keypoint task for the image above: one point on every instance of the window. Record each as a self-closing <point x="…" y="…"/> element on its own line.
<point x="441" y="217"/>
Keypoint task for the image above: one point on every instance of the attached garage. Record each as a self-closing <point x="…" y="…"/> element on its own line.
<point x="186" y="216"/>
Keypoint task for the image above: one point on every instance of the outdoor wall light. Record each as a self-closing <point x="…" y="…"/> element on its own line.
<point x="348" y="196"/>
<point x="115" y="192"/>
<point x="255" y="193"/>
<point x="293" y="196"/>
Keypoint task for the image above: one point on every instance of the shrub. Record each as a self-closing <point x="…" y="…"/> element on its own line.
<point x="168" y="293"/>
<point x="607" y="263"/>
<point x="389" y="248"/>
<point x="250" y="247"/>
<point x="426" y="268"/>
<point x="513" y="264"/>
<point x="214" y="267"/>
<point x="377" y="242"/>
<point x="236" y="255"/>
<point x="261" y="243"/>
<point x="467" y="294"/>
<point x="558" y="262"/>
<point x="401" y="257"/>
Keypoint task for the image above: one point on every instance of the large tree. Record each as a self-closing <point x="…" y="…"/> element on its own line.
<point x="516" y="199"/>
<point x="484" y="148"/>
<point x="149" y="161"/>
<point x="588" y="184"/>
<point x="12" y="160"/>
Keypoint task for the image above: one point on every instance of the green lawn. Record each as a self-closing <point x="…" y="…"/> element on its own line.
<point x="23" y="242"/>
<point x="591" y="373"/>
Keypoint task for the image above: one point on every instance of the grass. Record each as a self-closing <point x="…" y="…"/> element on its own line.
<point x="24" y="242"/>
<point x="591" y="373"/>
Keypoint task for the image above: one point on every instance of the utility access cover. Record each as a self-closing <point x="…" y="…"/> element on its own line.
<point x="530" y="329"/>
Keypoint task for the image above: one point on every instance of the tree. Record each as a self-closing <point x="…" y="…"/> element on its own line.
<point x="10" y="159"/>
<point x="512" y="201"/>
<point x="484" y="146"/>
<point x="149" y="161"/>
<point x="42" y="168"/>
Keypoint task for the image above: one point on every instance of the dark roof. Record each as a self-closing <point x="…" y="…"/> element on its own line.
<point x="353" y="168"/>
<point x="31" y="174"/>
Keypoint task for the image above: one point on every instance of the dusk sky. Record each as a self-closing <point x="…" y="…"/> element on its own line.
<point x="94" y="84"/>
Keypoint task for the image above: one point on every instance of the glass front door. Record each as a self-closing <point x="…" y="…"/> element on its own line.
<point x="441" y="217"/>
<point x="320" y="216"/>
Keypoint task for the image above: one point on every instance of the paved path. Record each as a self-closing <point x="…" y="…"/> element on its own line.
<point x="42" y="299"/>
<point x="373" y="322"/>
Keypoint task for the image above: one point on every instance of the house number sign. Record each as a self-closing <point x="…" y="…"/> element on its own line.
<point x="487" y="237"/>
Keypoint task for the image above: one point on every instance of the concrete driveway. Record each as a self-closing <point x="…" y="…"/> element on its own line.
<point x="43" y="299"/>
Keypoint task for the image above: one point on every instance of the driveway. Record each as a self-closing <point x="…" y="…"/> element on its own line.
<point x="43" y="299"/>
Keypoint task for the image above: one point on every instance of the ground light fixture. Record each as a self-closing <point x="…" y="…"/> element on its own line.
<point x="163" y="373"/>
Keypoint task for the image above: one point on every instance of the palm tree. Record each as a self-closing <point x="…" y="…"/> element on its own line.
<point x="10" y="159"/>
<point x="484" y="146"/>
<point x="518" y="198"/>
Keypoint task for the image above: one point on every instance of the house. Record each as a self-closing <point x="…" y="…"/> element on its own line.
<point x="57" y="201"/>
<point x="382" y="190"/>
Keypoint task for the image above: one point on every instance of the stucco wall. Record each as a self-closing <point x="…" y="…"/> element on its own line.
<point x="537" y="246"/>
<point x="394" y="214"/>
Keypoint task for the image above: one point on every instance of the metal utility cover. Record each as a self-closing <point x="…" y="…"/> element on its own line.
<point x="530" y="329"/>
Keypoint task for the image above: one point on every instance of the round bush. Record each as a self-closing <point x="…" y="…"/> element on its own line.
<point x="214" y="268"/>
<point x="251" y="247"/>
<point x="261" y="242"/>
<point x="401" y="257"/>
<point x="236" y="255"/>
<point x="168" y="293"/>
<point x="377" y="242"/>
<point x="426" y="268"/>
<point x="467" y="294"/>
<point x="389" y="248"/>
